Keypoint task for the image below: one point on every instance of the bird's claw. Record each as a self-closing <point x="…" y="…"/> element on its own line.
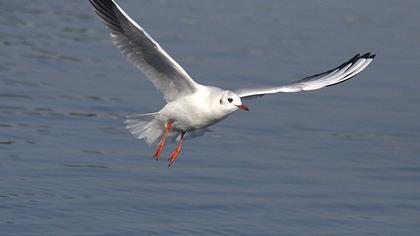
<point x="158" y="152"/>
<point x="172" y="157"/>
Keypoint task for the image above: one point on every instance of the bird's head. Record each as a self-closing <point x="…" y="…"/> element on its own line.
<point x="231" y="102"/>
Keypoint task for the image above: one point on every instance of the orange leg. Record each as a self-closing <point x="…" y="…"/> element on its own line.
<point x="177" y="151"/>
<point x="162" y="142"/>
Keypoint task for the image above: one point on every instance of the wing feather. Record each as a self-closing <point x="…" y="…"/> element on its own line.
<point x="328" y="78"/>
<point x="144" y="52"/>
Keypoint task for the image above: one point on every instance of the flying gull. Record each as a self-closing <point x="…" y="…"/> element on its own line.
<point x="192" y="107"/>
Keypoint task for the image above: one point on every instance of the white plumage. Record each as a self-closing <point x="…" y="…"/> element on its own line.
<point x="192" y="107"/>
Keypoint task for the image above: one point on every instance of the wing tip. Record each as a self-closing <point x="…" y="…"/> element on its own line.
<point x="103" y="6"/>
<point x="368" y="55"/>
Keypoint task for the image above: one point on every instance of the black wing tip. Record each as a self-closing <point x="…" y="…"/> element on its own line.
<point x="368" y="55"/>
<point x="109" y="14"/>
<point x="103" y="5"/>
<point x="355" y="58"/>
<point x="102" y="1"/>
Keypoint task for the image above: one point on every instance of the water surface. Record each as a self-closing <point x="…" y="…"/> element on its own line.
<point x="339" y="161"/>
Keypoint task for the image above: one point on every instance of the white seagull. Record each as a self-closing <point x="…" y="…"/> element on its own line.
<point x="192" y="107"/>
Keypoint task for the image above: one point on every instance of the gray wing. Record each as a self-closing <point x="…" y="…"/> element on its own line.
<point x="332" y="77"/>
<point x="144" y="52"/>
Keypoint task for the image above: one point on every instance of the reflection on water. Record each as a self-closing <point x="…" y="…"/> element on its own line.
<point x="342" y="161"/>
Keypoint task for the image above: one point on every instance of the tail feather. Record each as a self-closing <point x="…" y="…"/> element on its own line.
<point x="144" y="126"/>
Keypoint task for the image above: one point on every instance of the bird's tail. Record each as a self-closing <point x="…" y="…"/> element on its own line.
<point x="144" y="126"/>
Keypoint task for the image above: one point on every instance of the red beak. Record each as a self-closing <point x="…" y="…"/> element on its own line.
<point x="243" y="107"/>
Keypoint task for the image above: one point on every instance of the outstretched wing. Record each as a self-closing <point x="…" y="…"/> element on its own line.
<point x="332" y="77"/>
<point x="144" y="52"/>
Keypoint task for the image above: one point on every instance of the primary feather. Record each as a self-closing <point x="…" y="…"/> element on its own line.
<point x="144" y="52"/>
<point x="331" y="77"/>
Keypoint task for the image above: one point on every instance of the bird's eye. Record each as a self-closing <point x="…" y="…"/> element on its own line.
<point x="230" y="99"/>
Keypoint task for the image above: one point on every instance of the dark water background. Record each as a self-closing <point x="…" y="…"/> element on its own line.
<point x="339" y="161"/>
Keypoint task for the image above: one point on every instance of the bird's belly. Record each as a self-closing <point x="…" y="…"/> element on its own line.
<point x="189" y="117"/>
<point x="197" y="121"/>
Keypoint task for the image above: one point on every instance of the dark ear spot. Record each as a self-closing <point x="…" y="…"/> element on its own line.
<point x="220" y="101"/>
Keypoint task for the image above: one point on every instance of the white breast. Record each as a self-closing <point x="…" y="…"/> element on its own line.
<point x="195" y="111"/>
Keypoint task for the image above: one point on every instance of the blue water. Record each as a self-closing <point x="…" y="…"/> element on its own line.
<point x="338" y="161"/>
